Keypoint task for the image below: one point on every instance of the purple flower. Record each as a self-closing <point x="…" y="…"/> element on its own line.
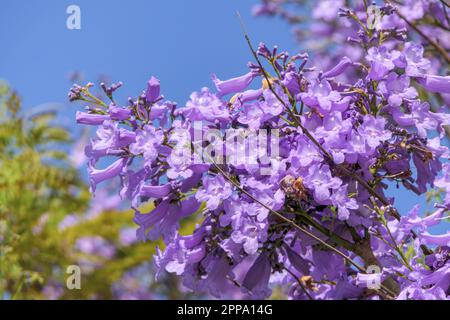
<point x="99" y="175"/>
<point x="413" y="10"/>
<point x="177" y="167"/>
<point x="233" y="85"/>
<point x="90" y="119"/>
<point x="305" y="154"/>
<point x="421" y="117"/>
<point x="53" y="292"/>
<point x="249" y="95"/>
<point x="298" y="262"/>
<point x="435" y="83"/>
<point x="327" y="10"/>
<point x="182" y="252"/>
<point x="373" y="131"/>
<point x="415" y="292"/>
<point x="439" y="258"/>
<point x="326" y="265"/>
<point x="148" y="141"/>
<point x="320" y="181"/>
<point x="216" y="281"/>
<point x="164" y="219"/>
<point x="427" y="168"/>
<point x="335" y="131"/>
<point x="341" y="200"/>
<point x="440" y="278"/>
<point x="413" y="61"/>
<point x="292" y="81"/>
<point x="441" y="239"/>
<point x="159" y="191"/>
<point x="432" y="283"/>
<point x="271" y="107"/>
<point x="118" y="113"/>
<point x="413" y="220"/>
<point x="205" y="105"/>
<point x="214" y="191"/>
<point x="109" y="135"/>
<point x="251" y="116"/>
<point x="338" y="69"/>
<point x="257" y="278"/>
<point x="248" y="232"/>
<point x="248" y="237"/>
<point x="321" y="95"/>
<point x="396" y="89"/>
<point x="382" y="60"/>
<point x="152" y="94"/>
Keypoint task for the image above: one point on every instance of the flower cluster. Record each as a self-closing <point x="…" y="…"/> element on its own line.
<point x="319" y="27"/>
<point x="322" y="217"/>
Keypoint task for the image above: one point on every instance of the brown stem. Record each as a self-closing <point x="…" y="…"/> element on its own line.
<point x="433" y="43"/>
<point x="347" y="172"/>
<point x="389" y="294"/>
<point x="300" y="283"/>
<point x="364" y="250"/>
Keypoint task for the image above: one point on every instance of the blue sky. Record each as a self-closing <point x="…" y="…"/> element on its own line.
<point x="180" y="42"/>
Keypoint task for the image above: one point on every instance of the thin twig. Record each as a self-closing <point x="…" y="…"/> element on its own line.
<point x="296" y="226"/>
<point x="347" y="172"/>
<point x="433" y="43"/>
<point x="300" y="283"/>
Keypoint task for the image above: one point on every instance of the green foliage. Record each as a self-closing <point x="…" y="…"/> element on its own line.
<point x="34" y="195"/>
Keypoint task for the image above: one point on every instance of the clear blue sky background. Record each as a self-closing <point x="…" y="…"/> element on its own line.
<point x="181" y="42"/>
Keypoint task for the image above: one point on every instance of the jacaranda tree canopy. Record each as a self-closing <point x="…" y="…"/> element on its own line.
<point x="291" y="170"/>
